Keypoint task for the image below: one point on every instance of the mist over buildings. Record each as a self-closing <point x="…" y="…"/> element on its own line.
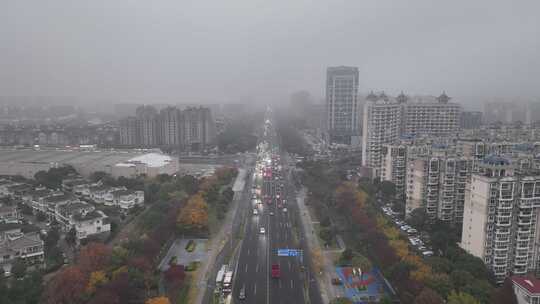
<point x="104" y="52"/>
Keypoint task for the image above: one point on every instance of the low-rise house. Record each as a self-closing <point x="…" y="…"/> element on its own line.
<point x="127" y="199"/>
<point x="9" y="213"/>
<point x="16" y="244"/>
<point x="526" y="289"/>
<point x="14" y="190"/>
<point x="93" y="223"/>
<point x="39" y="193"/>
<point x="65" y="212"/>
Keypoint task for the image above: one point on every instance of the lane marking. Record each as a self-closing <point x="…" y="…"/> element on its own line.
<point x="289" y="265"/>
<point x="246" y="267"/>
<point x="292" y="284"/>
<point x="257" y="267"/>
<point x="279" y="283"/>
<point x="248" y="252"/>
<point x="255" y="289"/>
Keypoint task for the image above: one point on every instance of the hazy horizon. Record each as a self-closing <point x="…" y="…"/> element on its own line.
<point x="194" y="51"/>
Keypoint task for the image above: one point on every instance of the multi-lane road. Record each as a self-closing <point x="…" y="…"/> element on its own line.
<point x="277" y="213"/>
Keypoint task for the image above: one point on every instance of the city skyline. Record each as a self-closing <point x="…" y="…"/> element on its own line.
<point x="264" y="51"/>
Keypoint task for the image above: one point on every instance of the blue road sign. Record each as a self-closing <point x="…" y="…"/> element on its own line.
<point x="283" y="252"/>
<point x="289" y="252"/>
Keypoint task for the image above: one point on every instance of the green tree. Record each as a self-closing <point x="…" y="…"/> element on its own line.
<point x="504" y="294"/>
<point x="479" y="289"/>
<point x="461" y="278"/>
<point x="419" y="218"/>
<point x="189" y="184"/>
<point x="326" y="235"/>
<point x="388" y="188"/>
<point x="71" y="236"/>
<point x="440" y="264"/>
<point x="428" y="296"/>
<point x="18" y="268"/>
<point x="361" y="261"/>
<point x="341" y="300"/>
<point x="441" y="283"/>
<point x="461" y="298"/>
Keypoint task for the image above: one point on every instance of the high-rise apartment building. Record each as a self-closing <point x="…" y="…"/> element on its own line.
<point x="170" y="120"/>
<point x="342" y="105"/>
<point x="129" y="131"/>
<point x="386" y="119"/>
<point x="425" y="116"/>
<point x="147" y="117"/>
<point x="438" y="183"/>
<point x="199" y="128"/>
<point x="471" y="119"/>
<point x="500" y="223"/>
<point x="192" y="129"/>
<point x="381" y="125"/>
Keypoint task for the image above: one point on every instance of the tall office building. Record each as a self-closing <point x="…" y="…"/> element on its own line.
<point x="430" y="116"/>
<point x="381" y="125"/>
<point x="500" y="223"/>
<point x="342" y="105"/>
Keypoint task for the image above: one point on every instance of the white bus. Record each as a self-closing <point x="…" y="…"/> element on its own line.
<point x="219" y="278"/>
<point x="227" y="282"/>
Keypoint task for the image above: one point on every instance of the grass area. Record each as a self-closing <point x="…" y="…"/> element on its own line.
<point x="191" y="246"/>
<point x="213" y="222"/>
<point x="193" y="266"/>
<point x="183" y="296"/>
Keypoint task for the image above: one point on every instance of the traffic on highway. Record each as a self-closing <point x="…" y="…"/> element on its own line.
<point x="271" y="265"/>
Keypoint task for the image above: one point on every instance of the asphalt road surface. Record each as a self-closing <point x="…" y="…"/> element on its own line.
<point x="259" y="250"/>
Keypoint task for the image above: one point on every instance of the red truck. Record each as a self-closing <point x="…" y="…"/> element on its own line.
<point x="275" y="271"/>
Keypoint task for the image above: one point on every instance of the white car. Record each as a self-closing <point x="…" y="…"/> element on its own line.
<point x="262" y="230"/>
<point x="255" y="212"/>
<point x="284" y="209"/>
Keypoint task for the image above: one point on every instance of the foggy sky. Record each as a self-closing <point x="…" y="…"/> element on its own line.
<point x="198" y="50"/>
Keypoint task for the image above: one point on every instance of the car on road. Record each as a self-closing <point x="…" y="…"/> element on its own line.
<point x="242" y="293"/>
<point x="262" y="230"/>
<point x="276" y="272"/>
<point x="271" y="213"/>
<point x="284" y="209"/>
<point x="427" y="253"/>
<point x="255" y="212"/>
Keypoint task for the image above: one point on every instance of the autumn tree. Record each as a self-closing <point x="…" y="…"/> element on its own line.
<point x="158" y="300"/>
<point x="504" y="294"/>
<point x="93" y="257"/>
<point x="96" y="279"/>
<point x="461" y="298"/>
<point x="194" y="216"/>
<point x="175" y="273"/>
<point x="428" y="296"/>
<point x="67" y="287"/>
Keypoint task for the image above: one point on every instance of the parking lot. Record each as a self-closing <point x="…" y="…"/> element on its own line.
<point x="419" y="241"/>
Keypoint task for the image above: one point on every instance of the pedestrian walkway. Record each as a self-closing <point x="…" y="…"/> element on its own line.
<point x="216" y="242"/>
<point x="328" y="291"/>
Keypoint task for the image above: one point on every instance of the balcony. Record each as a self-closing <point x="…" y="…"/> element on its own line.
<point x="526" y="222"/>
<point x="504" y="206"/>
<point x="521" y="254"/>
<point x="522" y="246"/>
<point x="525" y="214"/>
